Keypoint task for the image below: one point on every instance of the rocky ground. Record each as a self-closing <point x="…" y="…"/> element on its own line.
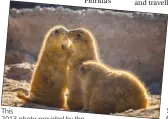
<point x="17" y="78"/>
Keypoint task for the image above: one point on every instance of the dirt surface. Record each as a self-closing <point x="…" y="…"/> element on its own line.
<point x="12" y="85"/>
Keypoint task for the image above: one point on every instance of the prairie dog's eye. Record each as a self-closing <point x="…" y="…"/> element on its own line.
<point x="81" y="69"/>
<point x="78" y="35"/>
<point x="84" y="69"/>
<point x="57" y="31"/>
<point x="86" y="41"/>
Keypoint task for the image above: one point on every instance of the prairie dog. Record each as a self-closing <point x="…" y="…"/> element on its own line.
<point x="84" y="48"/>
<point x="107" y="90"/>
<point x="49" y="79"/>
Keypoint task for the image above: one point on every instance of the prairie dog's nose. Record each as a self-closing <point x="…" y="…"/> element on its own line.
<point x="67" y="44"/>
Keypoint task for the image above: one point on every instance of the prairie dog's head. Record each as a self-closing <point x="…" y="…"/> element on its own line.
<point x="56" y="39"/>
<point x="90" y="69"/>
<point x="83" y="41"/>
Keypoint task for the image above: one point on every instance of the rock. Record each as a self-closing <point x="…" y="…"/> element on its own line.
<point x="155" y="88"/>
<point x="13" y="57"/>
<point x="20" y="38"/>
<point x="18" y="72"/>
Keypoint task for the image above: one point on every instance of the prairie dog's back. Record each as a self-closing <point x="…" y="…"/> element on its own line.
<point x="119" y="89"/>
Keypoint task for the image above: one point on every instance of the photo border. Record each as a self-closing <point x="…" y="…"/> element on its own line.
<point x="4" y="11"/>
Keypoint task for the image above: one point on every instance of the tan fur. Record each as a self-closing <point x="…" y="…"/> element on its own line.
<point x="49" y="79"/>
<point x="23" y="97"/>
<point x="85" y="48"/>
<point x="108" y="90"/>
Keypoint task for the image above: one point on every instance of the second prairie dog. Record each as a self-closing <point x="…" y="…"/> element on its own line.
<point x="49" y="79"/>
<point x="108" y="90"/>
<point x="85" y="48"/>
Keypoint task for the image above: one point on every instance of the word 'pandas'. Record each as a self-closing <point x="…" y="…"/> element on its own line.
<point x="97" y="1"/>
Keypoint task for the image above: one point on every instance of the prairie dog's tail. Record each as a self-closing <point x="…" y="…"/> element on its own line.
<point x="23" y="97"/>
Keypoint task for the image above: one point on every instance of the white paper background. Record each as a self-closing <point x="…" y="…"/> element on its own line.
<point x="115" y="4"/>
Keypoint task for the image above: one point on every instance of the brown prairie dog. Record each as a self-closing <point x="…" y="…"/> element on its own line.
<point x="85" y="48"/>
<point x="108" y="90"/>
<point x="49" y="79"/>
